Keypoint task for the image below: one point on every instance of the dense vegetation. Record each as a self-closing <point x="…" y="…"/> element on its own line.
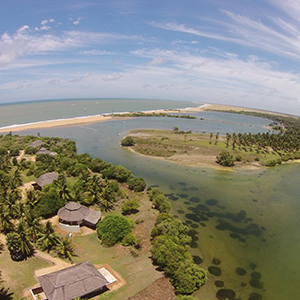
<point x="116" y="229"/>
<point x="285" y="143"/>
<point x="154" y="114"/>
<point x="171" y="251"/>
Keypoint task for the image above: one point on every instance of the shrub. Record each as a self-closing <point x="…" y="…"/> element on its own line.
<point x="122" y="174"/>
<point x="129" y="240"/>
<point x="225" y="159"/>
<point x="31" y="150"/>
<point x="136" y="184"/>
<point x="128" y="141"/>
<point x="14" y="152"/>
<point x="238" y="158"/>
<point x="256" y="158"/>
<point x="49" y="203"/>
<point x="185" y="297"/>
<point x="113" y="229"/>
<point x="3" y="151"/>
<point x="130" y="207"/>
<point x="161" y="204"/>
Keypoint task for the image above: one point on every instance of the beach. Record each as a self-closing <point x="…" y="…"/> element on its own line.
<point x="77" y="121"/>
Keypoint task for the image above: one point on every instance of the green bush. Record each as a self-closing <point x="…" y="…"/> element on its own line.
<point x="128" y="141"/>
<point x="185" y="297"/>
<point x="238" y="158"/>
<point x="49" y="203"/>
<point x="130" y="207"/>
<point x="161" y="204"/>
<point x="14" y="152"/>
<point x="31" y="150"/>
<point x="225" y="159"/>
<point x="136" y="184"/>
<point x="129" y="240"/>
<point x="3" y="151"/>
<point x="122" y="174"/>
<point x="113" y="229"/>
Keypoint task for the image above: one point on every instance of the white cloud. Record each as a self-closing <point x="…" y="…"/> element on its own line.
<point x="96" y="52"/>
<point x="44" y="22"/>
<point x="45" y="27"/>
<point x="79" y="78"/>
<point x="112" y="77"/>
<point x="23" y="28"/>
<point x="156" y="61"/>
<point x="51" y="20"/>
<point x="77" y="21"/>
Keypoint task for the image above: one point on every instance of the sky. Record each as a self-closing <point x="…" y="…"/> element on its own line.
<point x="239" y="52"/>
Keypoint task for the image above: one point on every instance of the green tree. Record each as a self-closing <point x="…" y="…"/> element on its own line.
<point x="113" y="229"/>
<point x="6" y="224"/>
<point x="48" y="239"/>
<point x="128" y="141"/>
<point x="122" y="174"/>
<point x="65" y="249"/>
<point x="217" y="137"/>
<point x="25" y="243"/>
<point x="130" y="207"/>
<point x="210" y="137"/>
<point x="136" y="184"/>
<point x="225" y="159"/>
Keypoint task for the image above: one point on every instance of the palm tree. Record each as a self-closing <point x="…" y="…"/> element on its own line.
<point x="63" y="190"/>
<point x="25" y="244"/>
<point x="94" y="189"/>
<point x="48" y="238"/>
<point x="6" y="224"/>
<point x="228" y="136"/>
<point x="34" y="225"/>
<point x="32" y="198"/>
<point x="16" y="179"/>
<point x="65" y="248"/>
<point x="217" y="137"/>
<point x="210" y="137"/>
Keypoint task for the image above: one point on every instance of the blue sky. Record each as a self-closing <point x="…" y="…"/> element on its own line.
<point x="237" y="52"/>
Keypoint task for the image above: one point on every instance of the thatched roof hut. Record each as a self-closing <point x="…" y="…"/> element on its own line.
<point x="45" y="151"/>
<point x="44" y="179"/>
<point x="36" y="144"/>
<point x="74" y="213"/>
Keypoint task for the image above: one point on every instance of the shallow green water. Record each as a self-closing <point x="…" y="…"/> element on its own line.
<point x="248" y="220"/>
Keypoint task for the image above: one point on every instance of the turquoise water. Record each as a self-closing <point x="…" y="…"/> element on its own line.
<point x="246" y="219"/>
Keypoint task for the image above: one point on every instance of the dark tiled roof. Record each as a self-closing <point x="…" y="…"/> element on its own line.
<point x="47" y="178"/>
<point x="36" y="144"/>
<point x="45" y="151"/>
<point x="93" y="217"/>
<point x="72" y="282"/>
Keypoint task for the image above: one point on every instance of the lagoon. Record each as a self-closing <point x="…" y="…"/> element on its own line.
<point x="247" y="221"/>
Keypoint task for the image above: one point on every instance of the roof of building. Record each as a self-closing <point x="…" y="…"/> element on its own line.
<point x="75" y="212"/>
<point x="75" y="281"/>
<point x="46" y="178"/>
<point x="36" y="144"/>
<point x="45" y="151"/>
<point x="93" y="217"/>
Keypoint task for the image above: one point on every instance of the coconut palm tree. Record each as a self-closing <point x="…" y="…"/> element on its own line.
<point x="210" y="137"/>
<point x="6" y="224"/>
<point x="33" y="224"/>
<point x="228" y="136"/>
<point x="62" y="187"/>
<point x="64" y="248"/>
<point x="48" y="238"/>
<point x="32" y="198"/>
<point x="16" y="179"/>
<point x="217" y="137"/>
<point x="24" y="237"/>
<point x="94" y="189"/>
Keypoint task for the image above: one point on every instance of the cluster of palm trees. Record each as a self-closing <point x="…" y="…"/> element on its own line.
<point x="88" y="190"/>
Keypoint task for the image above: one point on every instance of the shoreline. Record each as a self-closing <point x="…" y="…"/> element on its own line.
<point x="85" y="120"/>
<point x="200" y="164"/>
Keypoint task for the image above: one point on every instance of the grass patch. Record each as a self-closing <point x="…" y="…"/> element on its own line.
<point x="18" y="276"/>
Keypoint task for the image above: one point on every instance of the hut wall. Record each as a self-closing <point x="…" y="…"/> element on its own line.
<point x="69" y="228"/>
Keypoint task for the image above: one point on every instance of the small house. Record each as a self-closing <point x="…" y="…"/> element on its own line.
<point x="36" y="144"/>
<point x="73" y="215"/>
<point x="45" y="151"/>
<point x="44" y="179"/>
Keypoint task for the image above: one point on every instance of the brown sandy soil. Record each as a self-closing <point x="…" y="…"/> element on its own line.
<point x="233" y="108"/>
<point x="160" y="289"/>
